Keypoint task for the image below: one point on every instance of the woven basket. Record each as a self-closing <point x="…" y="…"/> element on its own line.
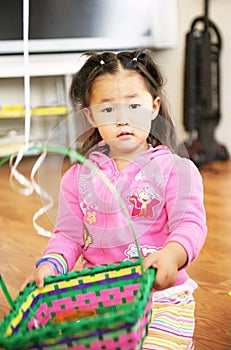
<point x="105" y="307"/>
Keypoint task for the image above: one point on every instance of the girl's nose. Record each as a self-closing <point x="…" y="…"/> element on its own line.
<point x="122" y="116"/>
<point x="121" y="123"/>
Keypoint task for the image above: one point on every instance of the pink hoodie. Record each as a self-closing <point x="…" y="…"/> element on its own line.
<point x="159" y="195"/>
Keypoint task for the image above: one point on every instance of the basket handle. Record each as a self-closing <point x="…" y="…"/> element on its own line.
<point x="6" y="292"/>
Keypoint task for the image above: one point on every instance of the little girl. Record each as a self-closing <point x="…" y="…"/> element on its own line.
<point x="133" y="143"/>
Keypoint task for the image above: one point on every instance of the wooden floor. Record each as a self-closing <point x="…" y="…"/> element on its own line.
<point x="20" y="245"/>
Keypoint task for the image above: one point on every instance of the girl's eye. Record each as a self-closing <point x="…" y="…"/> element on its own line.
<point x="134" y="106"/>
<point x="108" y="110"/>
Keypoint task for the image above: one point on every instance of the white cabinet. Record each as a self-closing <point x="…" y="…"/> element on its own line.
<point x="49" y="80"/>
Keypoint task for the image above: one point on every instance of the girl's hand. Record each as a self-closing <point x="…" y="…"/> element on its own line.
<point x="167" y="261"/>
<point x="39" y="274"/>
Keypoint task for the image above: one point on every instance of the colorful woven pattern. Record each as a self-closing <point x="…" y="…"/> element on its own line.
<point x="103" y="308"/>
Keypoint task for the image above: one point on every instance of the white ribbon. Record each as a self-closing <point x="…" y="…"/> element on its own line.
<point x="26" y="70"/>
<point x="43" y="194"/>
<point x="28" y="186"/>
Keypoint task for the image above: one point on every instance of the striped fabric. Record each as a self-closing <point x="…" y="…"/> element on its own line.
<point x="173" y="321"/>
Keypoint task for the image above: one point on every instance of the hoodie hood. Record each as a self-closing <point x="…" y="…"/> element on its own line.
<point x="99" y="157"/>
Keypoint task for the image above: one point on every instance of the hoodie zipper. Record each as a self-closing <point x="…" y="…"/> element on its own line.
<point x="115" y="177"/>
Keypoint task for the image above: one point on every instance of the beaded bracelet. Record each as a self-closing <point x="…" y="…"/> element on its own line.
<point x="56" y="260"/>
<point x="51" y="262"/>
<point x="60" y="260"/>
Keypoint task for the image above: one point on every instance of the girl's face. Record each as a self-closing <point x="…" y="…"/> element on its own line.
<point x="122" y="109"/>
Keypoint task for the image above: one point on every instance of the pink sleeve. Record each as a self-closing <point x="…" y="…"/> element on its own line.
<point x="185" y="207"/>
<point x="68" y="232"/>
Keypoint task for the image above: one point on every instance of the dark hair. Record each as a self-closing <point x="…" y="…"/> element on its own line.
<point x="162" y="128"/>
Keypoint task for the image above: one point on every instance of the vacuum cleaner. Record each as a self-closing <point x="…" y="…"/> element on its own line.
<point x="202" y="91"/>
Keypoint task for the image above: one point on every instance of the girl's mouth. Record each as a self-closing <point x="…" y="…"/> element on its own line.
<point x="124" y="134"/>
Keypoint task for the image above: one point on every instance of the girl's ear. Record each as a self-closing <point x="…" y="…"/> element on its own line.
<point x="89" y="116"/>
<point x="156" y="107"/>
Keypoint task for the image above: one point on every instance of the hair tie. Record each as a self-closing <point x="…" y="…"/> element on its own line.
<point x="102" y="62"/>
<point x="134" y="59"/>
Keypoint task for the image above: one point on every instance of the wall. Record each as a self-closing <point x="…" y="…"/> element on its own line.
<point x="172" y="63"/>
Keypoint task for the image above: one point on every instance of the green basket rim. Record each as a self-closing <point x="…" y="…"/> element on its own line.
<point x="134" y="312"/>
